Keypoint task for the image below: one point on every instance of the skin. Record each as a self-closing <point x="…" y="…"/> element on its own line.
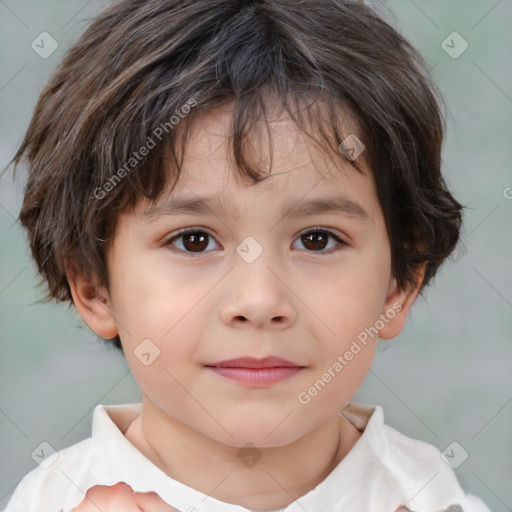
<point x="121" y="497"/>
<point x="294" y="301"/>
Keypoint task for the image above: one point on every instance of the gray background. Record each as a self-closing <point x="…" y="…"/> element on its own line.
<point x="446" y="377"/>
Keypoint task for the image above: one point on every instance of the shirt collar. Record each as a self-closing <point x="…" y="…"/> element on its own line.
<point x="131" y="466"/>
<point x="365" y="479"/>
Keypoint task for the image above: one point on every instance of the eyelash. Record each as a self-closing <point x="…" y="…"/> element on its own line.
<point x="186" y="231"/>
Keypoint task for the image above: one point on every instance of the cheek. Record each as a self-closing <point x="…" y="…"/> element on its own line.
<point x="346" y="303"/>
<point x="155" y="299"/>
<point x="158" y="381"/>
<point x="347" y="307"/>
<point x="162" y="330"/>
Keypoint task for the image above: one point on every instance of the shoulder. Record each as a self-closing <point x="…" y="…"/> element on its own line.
<point x="469" y="504"/>
<point x="412" y="473"/>
<point x="474" y="504"/>
<point x="409" y="453"/>
<point x="51" y="480"/>
<point x="397" y="453"/>
<point x="60" y="481"/>
<point x="415" y="462"/>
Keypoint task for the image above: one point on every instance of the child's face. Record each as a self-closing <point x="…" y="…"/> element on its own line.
<point x="300" y="299"/>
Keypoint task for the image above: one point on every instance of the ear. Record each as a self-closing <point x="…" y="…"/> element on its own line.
<point x="398" y="305"/>
<point x="92" y="302"/>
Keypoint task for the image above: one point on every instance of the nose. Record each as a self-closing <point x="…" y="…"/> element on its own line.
<point x="257" y="297"/>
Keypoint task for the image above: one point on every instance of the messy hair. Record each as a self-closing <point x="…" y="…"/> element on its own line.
<point x="145" y="70"/>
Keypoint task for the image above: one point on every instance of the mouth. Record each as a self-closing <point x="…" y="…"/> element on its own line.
<point x="256" y="372"/>
<point x="254" y="363"/>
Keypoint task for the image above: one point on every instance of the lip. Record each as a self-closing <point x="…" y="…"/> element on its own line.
<point x="257" y="377"/>
<point x="252" y="362"/>
<point x="256" y="372"/>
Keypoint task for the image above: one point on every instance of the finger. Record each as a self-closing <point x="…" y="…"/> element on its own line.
<point x="102" y="498"/>
<point x="151" y="502"/>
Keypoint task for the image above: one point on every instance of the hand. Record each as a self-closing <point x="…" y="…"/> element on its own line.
<point x="121" y="498"/>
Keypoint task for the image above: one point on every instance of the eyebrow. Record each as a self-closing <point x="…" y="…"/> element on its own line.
<point x="206" y="205"/>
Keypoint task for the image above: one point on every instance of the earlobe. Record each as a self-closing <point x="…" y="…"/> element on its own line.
<point x="93" y="304"/>
<point x="398" y="305"/>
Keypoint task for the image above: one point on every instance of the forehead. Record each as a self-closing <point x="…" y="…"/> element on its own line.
<point x="275" y="137"/>
<point x="293" y="168"/>
<point x="274" y="146"/>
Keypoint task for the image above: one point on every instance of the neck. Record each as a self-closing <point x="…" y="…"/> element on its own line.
<point x="273" y="479"/>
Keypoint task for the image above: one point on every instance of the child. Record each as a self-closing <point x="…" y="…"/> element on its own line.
<point x="295" y="147"/>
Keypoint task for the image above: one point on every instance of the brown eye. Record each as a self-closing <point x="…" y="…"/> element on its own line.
<point x="315" y="240"/>
<point x="192" y="241"/>
<point x="318" y="239"/>
<point x="195" y="242"/>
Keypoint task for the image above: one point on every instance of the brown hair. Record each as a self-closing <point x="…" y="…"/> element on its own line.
<point x="141" y="64"/>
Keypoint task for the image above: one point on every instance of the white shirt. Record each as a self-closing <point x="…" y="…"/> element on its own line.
<point x="384" y="471"/>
